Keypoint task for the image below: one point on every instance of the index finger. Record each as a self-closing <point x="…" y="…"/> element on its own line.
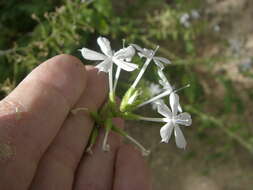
<point x="32" y="114"/>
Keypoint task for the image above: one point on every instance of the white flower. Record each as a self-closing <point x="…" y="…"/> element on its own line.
<point x="195" y="14"/>
<point x="216" y="28"/>
<point x="148" y="53"/>
<point x="109" y="57"/>
<point x="236" y="45"/>
<point x="168" y="89"/>
<point x="246" y="64"/>
<point x="87" y="1"/>
<point x="166" y="86"/>
<point x="154" y="89"/>
<point x="125" y="53"/>
<point x="173" y="121"/>
<point x="185" y="20"/>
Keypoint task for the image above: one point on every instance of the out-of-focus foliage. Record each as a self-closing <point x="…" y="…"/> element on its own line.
<point x="61" y="31"/>
<point x="15" y="18"/>
<point x="33" y="31"/>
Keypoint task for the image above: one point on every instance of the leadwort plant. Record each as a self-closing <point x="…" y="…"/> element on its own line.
<point x="132" y="99"/>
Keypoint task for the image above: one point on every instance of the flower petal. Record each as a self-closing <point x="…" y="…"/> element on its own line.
<point x="179" y="136"/>
<point x="166" y="132"/>
<point x="143" y="52"/>
<point x="164" y="110"/>
<point x="174" y="102"/>
<point x="154" y="89"/>
<point x="105" y="46"/>
<point x="156" y="103"/>
<point x="137" y="47"/>
<point x="179" y="108"/>
<point x="148" y="52"/>
<point x="161" y="75"/>
<point x="92" y="55"/>
<point x="125" y="65"/>
<point x="163" y="60"/>
<point x="164" y="82"/>
<point x="125" y="53"/>
<point x="159" y="64"/>
<point x="105" y="66"/>
<point x="183" y="119"/>
<point x="141" y="55"/>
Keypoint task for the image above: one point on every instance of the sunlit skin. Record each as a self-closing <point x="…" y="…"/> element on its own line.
<point x="43" y="145"/>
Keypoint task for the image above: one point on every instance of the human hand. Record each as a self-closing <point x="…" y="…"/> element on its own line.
<point x="42" y="146"/>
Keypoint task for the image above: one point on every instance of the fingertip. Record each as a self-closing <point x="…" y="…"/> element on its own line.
<point x="131" y="173"/>
<point x="128" y="149"/>
<point x="119" y="122"/>
<point x="67" y="64"/>
<point x="63" y="74"/>
<point x="95" y="73"/>
<point x="68" y="73"/>
<point x="97" y="83"/>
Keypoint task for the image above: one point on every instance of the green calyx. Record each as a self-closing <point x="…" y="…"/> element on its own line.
<point x="130" y="100"/>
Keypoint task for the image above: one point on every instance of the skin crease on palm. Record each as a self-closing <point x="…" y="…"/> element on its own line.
<point x="42" y="146"/>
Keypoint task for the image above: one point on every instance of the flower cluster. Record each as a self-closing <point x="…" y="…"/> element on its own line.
<point x="173" y="117"/>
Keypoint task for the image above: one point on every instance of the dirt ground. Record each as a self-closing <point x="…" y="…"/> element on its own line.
<point x="215" y="163"/>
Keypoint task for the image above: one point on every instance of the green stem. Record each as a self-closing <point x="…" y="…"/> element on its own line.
<point x="120" y="131"/>
<point x="125" y="99"/>
<point x="108" y="127"/>
<point x="129" y="116"/>
<point x="92" y="139"/>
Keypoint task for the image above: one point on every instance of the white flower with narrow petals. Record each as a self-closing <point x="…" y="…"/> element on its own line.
<point x="173" y="120"/>
<point x="109" y="57"/>
<point x="125" y="53"/>
<point x="148" y="53"/>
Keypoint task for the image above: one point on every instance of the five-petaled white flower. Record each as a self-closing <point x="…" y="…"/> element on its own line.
<point x="173" y="120"/>
<point x="109" y="57"/>
<point x="149" y="53"/>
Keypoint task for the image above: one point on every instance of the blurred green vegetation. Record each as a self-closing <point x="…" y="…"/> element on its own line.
<point x="33" y="31"/>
